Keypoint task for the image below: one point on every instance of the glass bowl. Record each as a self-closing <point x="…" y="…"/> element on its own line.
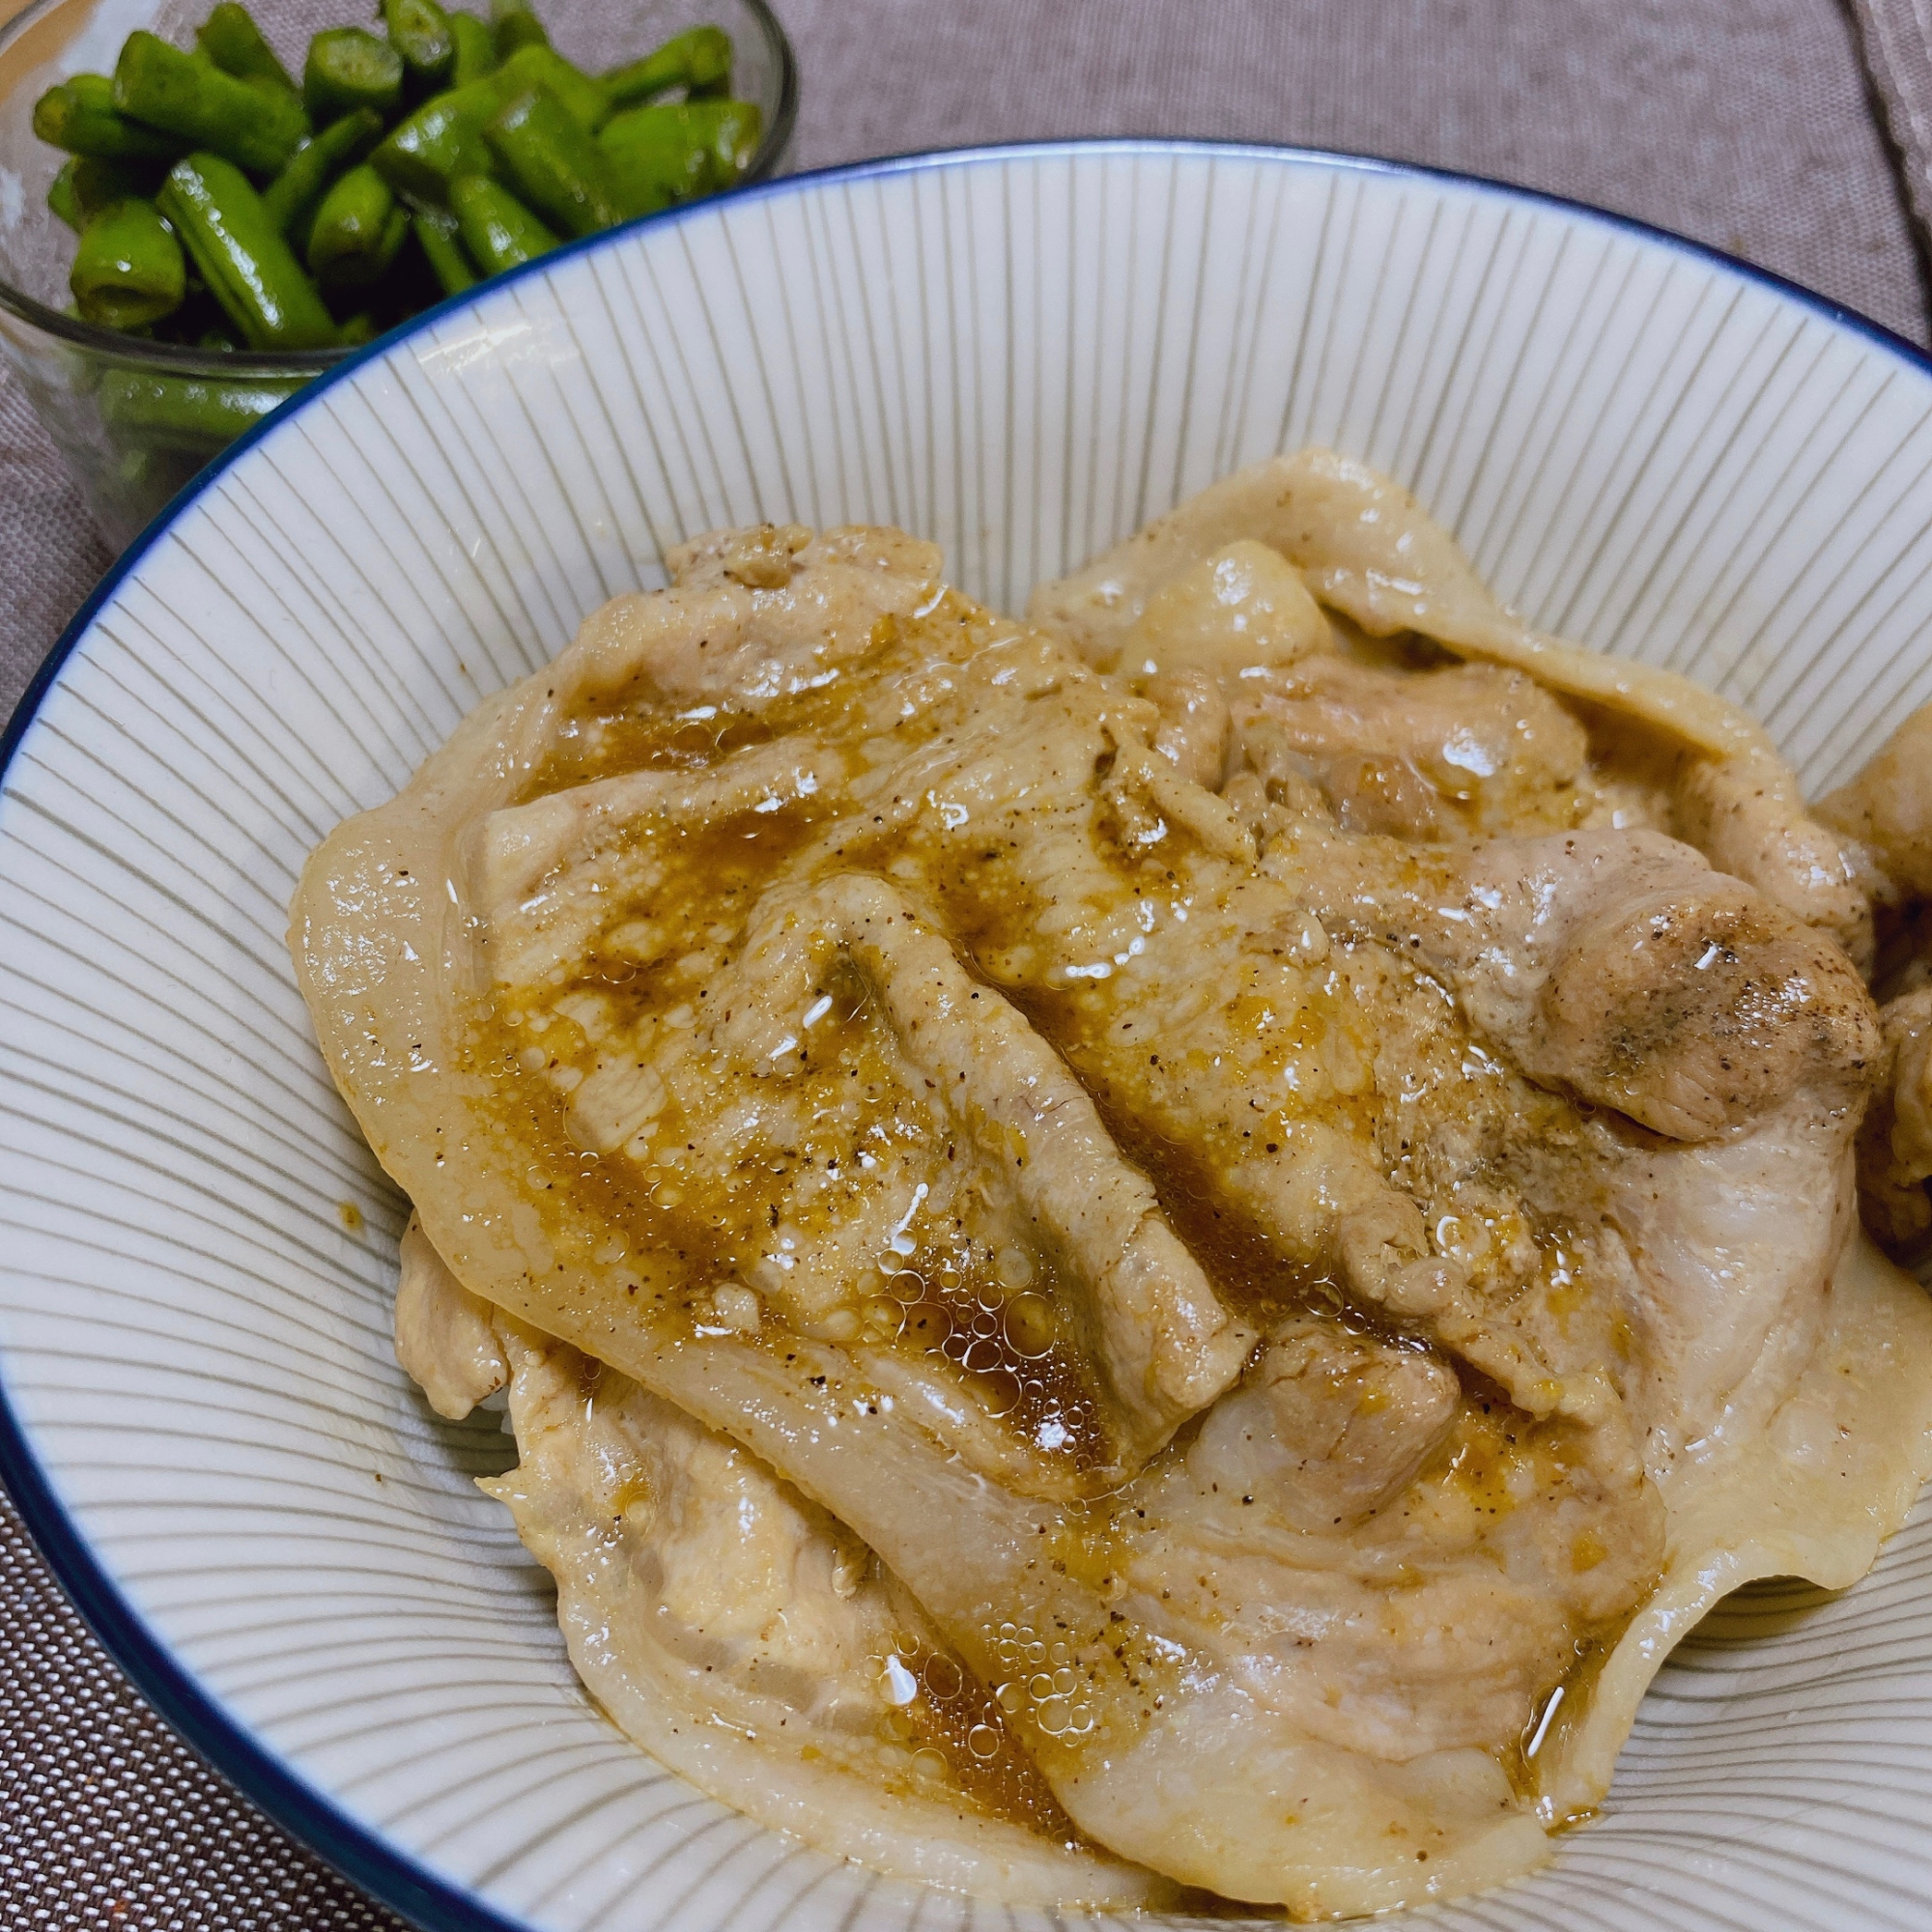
<point x="135" y="419"/>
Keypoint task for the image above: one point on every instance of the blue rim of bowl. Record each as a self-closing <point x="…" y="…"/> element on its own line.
<point x="381" y="1870"/>
<point x="311" y="364"/>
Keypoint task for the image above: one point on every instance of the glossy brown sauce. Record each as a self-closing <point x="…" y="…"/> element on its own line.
<point x="983" y="1310"/>
<point x="954" y="1716"/>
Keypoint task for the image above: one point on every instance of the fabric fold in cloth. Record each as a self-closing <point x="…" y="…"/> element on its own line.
<point x="1895" y="37"/>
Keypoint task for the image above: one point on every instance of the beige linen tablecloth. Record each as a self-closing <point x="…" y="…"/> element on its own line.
<point x="1747" y="124"/>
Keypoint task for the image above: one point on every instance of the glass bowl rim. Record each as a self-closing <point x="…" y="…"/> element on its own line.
<point x="180" y="360"/>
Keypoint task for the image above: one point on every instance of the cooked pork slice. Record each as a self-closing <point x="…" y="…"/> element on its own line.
<point x="754" y="616"/>
<point x="1812" y="1491"/>
<point x="1329" y="1427"/>
<point x="1196" y="724"/>
<point x="1729" y="1242"/>
<point x="1620" y="968"/>
<point x="1430" y="755"/>
<point x="1269" y="1291"/>
<point x="1887" y="806"/>
<point x="1747" y="816"/>
<point x="751" y="1642"/>
<point x="590" y="832"/>
<point x="1367" y="1669"/>
<point x="1243" y="608"/>
<point x="1137" y="1300"/>
<point x="1885" y="812"/>
<point x="1367" y="549"/>
<point x="1695" y="1007"/>
<point x="444" y="1337"/>
<point x="1895" y="1142"/>
<point x="741" y="1635"/>
<point x="1618" y="965"/>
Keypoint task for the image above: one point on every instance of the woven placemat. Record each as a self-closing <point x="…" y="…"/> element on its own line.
<point x="107" y="1819"/>
<point x="1744" y="123"/>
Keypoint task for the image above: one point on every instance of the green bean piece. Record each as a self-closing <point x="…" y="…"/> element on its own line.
<point x="700" y="57"/>
<point x="443" y="138"/>
<point x="359" y="329"/>
<point x="442" y="250"/>
<point x="427" y="150"/>
<point x="348" y="67"/>
<point x="420" y="30"/>
<point x="80" y="116"/>
<point x="295" y="194"/>
<point x="63" y="197"/>
<point x="127" y="272"/>
<point x="182" y="411"/>
<point x="255" y="128"/>
<point x="242" y="257"/>
<point x="732" y="131"/>
<point x="475" y="49"/>
<point x="230" y="37"/>
<point x="498" y="231"/>
<point x="553" y="165"/>
<point x="98" y="182"/>
<point x="514" y="25"/>
<point x="543" y="67"/>
<point x="676" y="151"/>
<point x="394" y="235"/>
<point x="358" y="230"/>
<point x="654" y="157"/>
<point x="87" y="185"/>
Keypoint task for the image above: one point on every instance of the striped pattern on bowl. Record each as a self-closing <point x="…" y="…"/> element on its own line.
<point x="1021" y="354"/>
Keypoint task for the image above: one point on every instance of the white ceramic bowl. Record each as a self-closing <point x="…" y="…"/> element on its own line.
<point x="1021" y="354"/>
